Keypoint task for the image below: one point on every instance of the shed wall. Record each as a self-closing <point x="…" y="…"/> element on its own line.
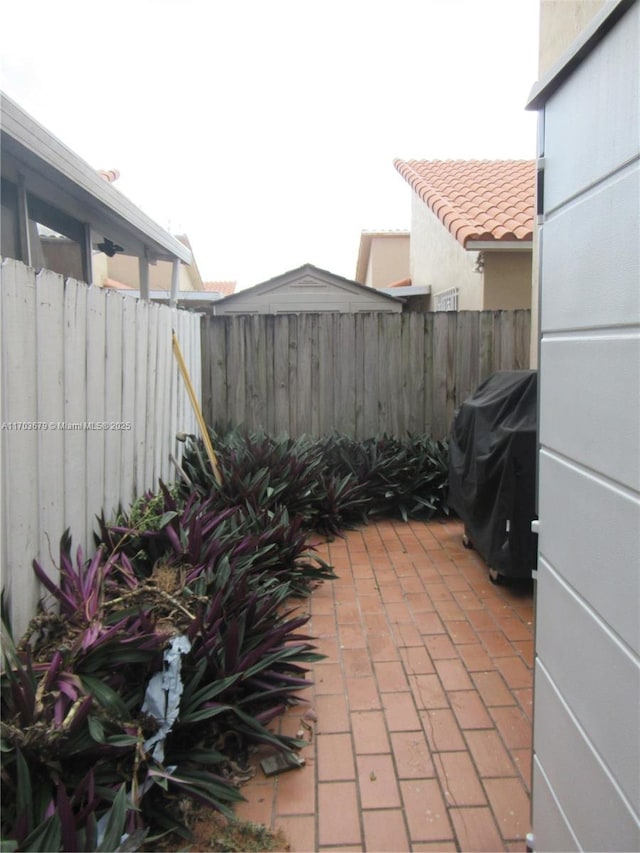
<point x="586" y="780"/>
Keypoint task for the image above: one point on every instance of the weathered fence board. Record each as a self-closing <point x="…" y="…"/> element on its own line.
<point x="113" y="403"/>
<point x="20" y="500"/>
<point x="73" y="356"/>
<point x="50" y="392"/>
<point x="345" y="376"/>
<point x="75" y="408"/>
<point x="359" y="374"/>
<point x="128" y="385"/>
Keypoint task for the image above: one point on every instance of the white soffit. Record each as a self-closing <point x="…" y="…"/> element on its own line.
<point x="499" y="245"/>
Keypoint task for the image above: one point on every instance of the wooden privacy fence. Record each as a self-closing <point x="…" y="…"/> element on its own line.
<point x="360" y="374"/>
<point x="91" y="405"/>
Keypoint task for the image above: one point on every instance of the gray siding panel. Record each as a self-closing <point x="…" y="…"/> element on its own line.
<point x="583" y="286"/>
<point x="578" y="507"/>
<point x="554" y="835"/>
<point x="589" y="402"/>
<point x="597" y="676"/>
<point x="586" y="782"/>
<point x="596" y="112"/>
<point x="582" y="788"/>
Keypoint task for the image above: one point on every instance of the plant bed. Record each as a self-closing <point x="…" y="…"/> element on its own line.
<point x="331" y="484"/>
<point x="157" y="667"/>
<point x="213" y="833"/>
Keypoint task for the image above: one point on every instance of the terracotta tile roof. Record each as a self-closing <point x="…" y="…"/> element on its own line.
<point x="476" y="199"/>
<point x="226" y="288"/>
<point x="114" y="284"/>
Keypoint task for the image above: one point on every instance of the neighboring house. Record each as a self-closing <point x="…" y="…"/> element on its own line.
<point x="383" y="264"/>
<point x="560" y="23"/>
<point x="61" y="214"/>
<point x="307" y="289"/>
<point x="586" y="761"/>
<point x="121" y="272"/>
<point x="222" y="288"/>
<point x="471" y="231"/>
<point x="383" y="259"/>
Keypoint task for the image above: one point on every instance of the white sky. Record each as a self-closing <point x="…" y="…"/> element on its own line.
<point x="266" y="131"/>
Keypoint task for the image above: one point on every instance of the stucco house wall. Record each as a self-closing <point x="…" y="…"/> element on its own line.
<point x="439" y="261"/>
<point x="388" y="260"/>
<point x="507" y="280"/>
<point x="560" y="23"/>
<point x="60" y="255"/>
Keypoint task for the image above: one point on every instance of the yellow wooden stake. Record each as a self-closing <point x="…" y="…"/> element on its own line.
<point x="196" y="408"/>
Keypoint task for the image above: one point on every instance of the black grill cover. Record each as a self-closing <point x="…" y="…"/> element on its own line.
<point x="492" y="470"/>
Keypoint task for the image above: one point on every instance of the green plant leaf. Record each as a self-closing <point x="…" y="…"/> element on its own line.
<point x="96" y="729"/>
<point x="24" y="800"/>
<point x="46" y="836"/>
<point x="122" y="740"/>
<point x="117" y="816"/>
<point x="105" y="695"/>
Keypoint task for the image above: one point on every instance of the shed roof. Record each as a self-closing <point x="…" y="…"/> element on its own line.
<point x="307" y="275"/>
<point x="477" y="200"/>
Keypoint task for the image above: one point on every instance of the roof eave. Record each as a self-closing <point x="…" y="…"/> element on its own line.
<point x="182" y="295"/>
<point x="81" y="178"/>
<point x="498" y="245"/>
<point x="407" y="291"/>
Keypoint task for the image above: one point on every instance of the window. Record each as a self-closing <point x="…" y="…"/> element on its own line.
<point x="447" y="300"/>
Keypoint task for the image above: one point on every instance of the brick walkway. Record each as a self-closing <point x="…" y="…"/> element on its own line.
<point x="422" y="734"/>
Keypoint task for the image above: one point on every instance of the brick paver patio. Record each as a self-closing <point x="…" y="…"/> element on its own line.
<point x="420" y="715"/>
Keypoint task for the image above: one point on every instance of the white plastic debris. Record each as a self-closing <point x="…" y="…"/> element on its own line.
<point x="162" y="697"/>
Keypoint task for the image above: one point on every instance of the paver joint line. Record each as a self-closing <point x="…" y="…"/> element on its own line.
<point x="423" y="705"/>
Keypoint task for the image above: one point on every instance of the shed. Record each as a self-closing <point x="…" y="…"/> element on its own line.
<point x="586" y="763"/>
<point x="307" y="289"/>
